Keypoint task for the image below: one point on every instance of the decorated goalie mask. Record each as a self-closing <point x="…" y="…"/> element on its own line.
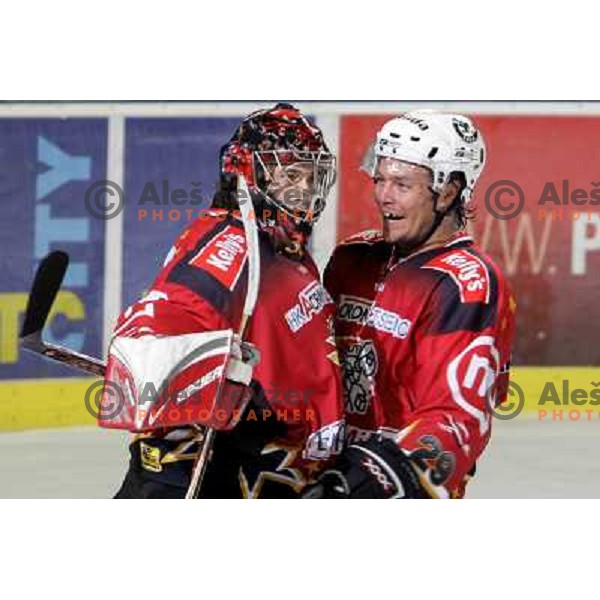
<point x="284" y="159"/>
<point x="444" y="143"/>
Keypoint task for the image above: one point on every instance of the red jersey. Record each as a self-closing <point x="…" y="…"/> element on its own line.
<point x="202" y="288"/>
<point x="425" y="344"/>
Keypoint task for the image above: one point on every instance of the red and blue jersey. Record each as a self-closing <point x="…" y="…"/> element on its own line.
<point x="425" y="345"/>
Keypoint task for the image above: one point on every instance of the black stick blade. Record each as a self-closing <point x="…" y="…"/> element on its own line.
<point x="46" y="284"/>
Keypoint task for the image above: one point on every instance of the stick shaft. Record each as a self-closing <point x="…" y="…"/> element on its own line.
<point x="83" y="362"/>
<point x="253" y="249"/>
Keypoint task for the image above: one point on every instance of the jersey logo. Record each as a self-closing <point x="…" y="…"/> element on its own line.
<point x="150" y="457"/>
<point x="223" y="256"/>
<point x="353" y="309"/>
<point x="311" y="301"/>
<point x="359" y="368"/>
<point x="390" y="322"/>
<point x="469" y="273"/>
<point x="471" y="378"/>
<point x="325" y="442"/>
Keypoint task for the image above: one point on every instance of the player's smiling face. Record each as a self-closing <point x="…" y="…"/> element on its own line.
<point x="405" y="200"/>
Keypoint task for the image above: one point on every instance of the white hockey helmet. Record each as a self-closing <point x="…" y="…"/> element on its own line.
<point x="444" y="143"/>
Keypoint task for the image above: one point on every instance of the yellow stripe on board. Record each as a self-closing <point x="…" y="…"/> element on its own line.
<point x="49" y="403"/>
<point x="556" y="388"/>
<point x="44" y="403"/>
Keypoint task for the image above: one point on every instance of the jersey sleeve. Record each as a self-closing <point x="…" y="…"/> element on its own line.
<point x="169" y="362"/>
<point x="461" y="361"/>
<point x="198" y="288"/>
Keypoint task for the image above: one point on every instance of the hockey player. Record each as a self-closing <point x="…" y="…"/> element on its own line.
<point x="293" y="420"/>
<point x="424" y="320"/>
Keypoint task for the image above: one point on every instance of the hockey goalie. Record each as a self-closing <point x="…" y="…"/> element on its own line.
<point x="272" y="396"/>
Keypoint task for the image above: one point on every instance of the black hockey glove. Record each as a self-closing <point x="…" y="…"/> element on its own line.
<point x="250" y="436"/>
<point x="373" y="469"/>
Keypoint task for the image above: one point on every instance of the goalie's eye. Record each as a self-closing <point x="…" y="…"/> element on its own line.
<point x="297" y="175"/>
<point x="294" y="176"/>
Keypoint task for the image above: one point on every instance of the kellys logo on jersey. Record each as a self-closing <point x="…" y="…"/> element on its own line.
<point x="353" y="309"/>
<point x="469" y="273"/>
<point x="311" y="301"/>
<point x="223" y="256"/>
<point x="359" y="367"/>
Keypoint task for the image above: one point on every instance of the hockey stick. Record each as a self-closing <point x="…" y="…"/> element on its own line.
<point x="251" y="231"/>
<point x="46" y="285"/>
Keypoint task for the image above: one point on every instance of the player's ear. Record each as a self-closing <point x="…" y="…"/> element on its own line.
<point x="451" y="191"/>
<point x="448" y="195"/>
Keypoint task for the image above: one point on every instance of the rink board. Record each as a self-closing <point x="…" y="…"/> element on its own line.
<point x="51" y="403"/>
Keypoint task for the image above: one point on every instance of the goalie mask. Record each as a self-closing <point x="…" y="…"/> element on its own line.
<point x="443" y="143"/>
<point x="284" y="160"/>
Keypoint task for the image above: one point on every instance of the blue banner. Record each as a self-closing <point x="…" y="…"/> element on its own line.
<point x="46" y="167"/>
<point x="171" y="171"/>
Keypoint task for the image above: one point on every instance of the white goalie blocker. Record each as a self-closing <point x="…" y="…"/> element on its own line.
<point x="153" y="382"/>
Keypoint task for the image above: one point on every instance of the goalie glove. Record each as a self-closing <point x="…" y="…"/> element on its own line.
<point x="373" y="469"/>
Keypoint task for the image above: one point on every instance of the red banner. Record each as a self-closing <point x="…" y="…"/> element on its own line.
<point x="549" y="248"/>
